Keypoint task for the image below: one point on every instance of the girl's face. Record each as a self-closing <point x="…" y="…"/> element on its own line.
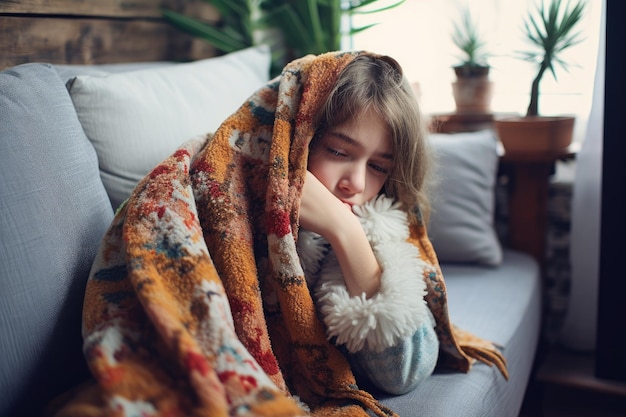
<point x="353" y="160"/>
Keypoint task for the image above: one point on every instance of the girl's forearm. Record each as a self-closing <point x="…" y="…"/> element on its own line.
<point x="356" y="259"/>
<point x="323" y="213"/>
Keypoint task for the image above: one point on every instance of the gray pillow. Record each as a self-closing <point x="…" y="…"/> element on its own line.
<point x="461" y="225"/>
<point x="54" y="211"/>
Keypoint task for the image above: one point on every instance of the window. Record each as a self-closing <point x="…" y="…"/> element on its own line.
<point x="418" y="34"/>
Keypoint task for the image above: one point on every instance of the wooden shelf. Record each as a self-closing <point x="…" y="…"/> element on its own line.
<point x="541" y="157"/>
<point x="464" y="122"/>
<point x="460" y="122"/>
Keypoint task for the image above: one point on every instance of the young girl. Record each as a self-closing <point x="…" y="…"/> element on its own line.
<point x="197" y="302"/>
<point x="367" y="178"/>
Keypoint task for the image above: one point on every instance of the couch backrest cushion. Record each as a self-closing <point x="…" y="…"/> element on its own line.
<point x="135" y="119"/>
<point x="53" y="213"/>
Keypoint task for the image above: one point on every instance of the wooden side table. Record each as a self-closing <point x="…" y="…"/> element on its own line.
<point x="529" y="182"/>
<point x="460" y="122"/>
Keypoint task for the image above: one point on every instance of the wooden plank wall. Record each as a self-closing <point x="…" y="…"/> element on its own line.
<point x="97" y="31"/>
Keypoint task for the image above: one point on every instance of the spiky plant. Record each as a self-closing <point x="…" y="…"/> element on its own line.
<point x="466" y="37"/>
<point x="551" y="31"/>
<point x="304" y="26"/>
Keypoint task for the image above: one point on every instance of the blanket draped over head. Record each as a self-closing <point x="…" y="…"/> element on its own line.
<point x="197" y="304"/>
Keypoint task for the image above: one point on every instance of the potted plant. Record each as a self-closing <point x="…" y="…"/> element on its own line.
<point x="291" y="28"/>
<point x="472" y="88"/>
<point x="551" y="30"/>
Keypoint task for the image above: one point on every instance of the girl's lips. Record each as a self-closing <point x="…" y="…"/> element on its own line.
<point x="347" y="203"/>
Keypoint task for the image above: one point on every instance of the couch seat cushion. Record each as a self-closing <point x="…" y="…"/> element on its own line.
<point x="501" y="304"/>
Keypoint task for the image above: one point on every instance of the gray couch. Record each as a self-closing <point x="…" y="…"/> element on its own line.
<point x="59" y="183"/>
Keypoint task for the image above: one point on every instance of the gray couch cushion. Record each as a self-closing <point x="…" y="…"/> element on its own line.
<point x="501" y="304"/>
<point x="53" y="213"/>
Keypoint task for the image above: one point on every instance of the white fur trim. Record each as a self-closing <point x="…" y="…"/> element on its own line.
<point x="382" y="220"/>
<point x="312" y="248"/>
<point x="399" y="308"/>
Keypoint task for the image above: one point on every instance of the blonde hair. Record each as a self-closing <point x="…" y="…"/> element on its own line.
<point x="377" y="82"/>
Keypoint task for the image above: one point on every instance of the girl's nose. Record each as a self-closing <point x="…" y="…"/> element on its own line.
<point x="353" y="180"/>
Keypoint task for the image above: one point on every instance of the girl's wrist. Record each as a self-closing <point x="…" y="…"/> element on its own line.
<point x="356" y="258"/>
<point x="343" y="225"/>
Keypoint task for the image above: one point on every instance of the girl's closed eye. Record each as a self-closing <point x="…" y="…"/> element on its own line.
<point x="379" y="168"/>
<point x="336" y="152"/>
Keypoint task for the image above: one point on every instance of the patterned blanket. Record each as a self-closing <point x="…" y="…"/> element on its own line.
<point x="197" y="304"/>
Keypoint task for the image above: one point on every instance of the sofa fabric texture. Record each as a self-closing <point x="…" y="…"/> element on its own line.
<point x="54" y="213"/>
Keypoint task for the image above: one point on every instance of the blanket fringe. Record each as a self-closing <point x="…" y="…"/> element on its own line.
<point x="488" y="356"/>
<point x="365" y="401"/>
<point x="372" y="403"/>
<point x="481" y="350"/>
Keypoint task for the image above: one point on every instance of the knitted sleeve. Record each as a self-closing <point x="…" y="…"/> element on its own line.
<point x="400" y="368"/>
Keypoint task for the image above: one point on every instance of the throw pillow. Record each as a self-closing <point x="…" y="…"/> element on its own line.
<point x="138" y="118"/>
<point x="461" y="225"/>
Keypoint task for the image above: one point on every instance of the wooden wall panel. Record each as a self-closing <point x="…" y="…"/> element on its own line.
<point x="128" y="8"/>
<point x="93" y="41"/>
<point x="97" y="32"/>
<point x="109" y="8"/>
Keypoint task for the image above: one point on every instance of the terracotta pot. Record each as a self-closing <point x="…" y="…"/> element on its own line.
<point x="535" y="133"/>
<point x="472" y="95"/>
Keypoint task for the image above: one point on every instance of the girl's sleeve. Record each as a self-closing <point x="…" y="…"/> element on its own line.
<point x="400" y="368"/>
<point x="393" y="330"/>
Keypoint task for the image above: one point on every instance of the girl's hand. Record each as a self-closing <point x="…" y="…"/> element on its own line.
<point x="323" y="213"/>
<point x="320" y="211"/>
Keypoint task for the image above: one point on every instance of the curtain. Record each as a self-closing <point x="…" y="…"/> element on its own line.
<point x="579" y="328"/>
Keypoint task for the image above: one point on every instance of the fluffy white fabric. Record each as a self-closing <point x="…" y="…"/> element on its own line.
<point x="398" y="309"/>
<point x="383" y="220"/>
<point x="311" y="248"/>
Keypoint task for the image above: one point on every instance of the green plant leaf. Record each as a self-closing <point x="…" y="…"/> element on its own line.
<point x="207" y="32"/>
<point x="466" y="37"/>
<point x="357" y="9"/>
<point x="550" y="30"/>
<point x="362" y="28"/>
<point x="332" y="13"/>
<point x="293" y="28"/>
<point x="306" y="26"/>
<point x="315" y="24"/>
